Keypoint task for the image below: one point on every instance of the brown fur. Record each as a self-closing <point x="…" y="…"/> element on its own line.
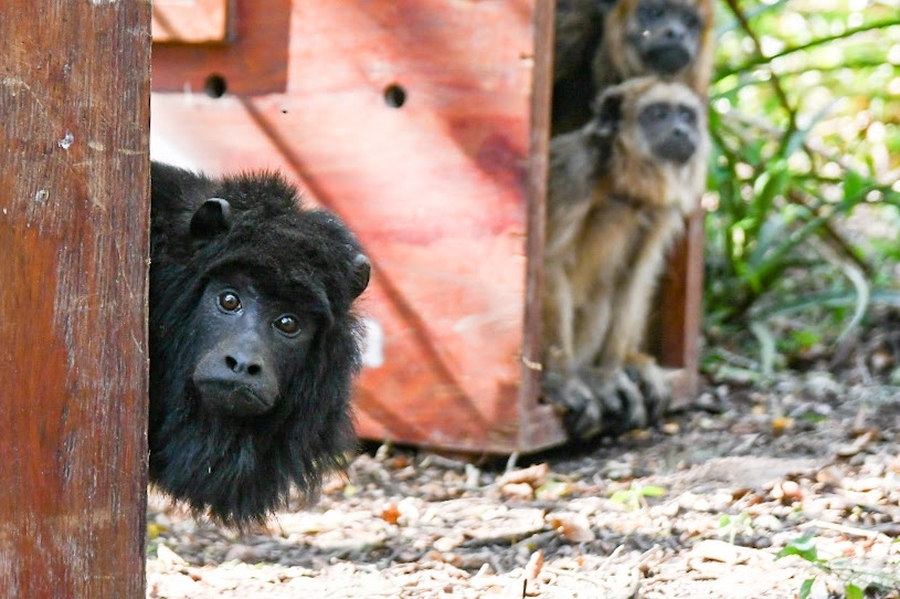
<point x="613" y="210"/>
<point x="616" y="59"/>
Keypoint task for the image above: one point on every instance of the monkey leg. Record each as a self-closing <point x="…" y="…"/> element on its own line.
<point x="591" y="327"/>
<point x="565" y="312"/>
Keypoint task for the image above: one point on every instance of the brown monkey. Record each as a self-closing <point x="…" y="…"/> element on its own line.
<point x="671" y="39"/>
<point x="619" y="189"/>
<point x="578" y="29"/>
<point x="598" y="43"/>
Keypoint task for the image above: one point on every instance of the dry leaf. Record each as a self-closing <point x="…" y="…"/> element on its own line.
<point x="573" y="527"/>
<point x="390" y="513"/>
<point x="534" y="566"/>
<point x="169" y="558"/>
<point x="519" y="490"/>
<point x="531" y="475"/>
<point x="532" y="571"/>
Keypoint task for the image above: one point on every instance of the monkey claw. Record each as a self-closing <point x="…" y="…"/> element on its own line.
<point x="608" y="401"/>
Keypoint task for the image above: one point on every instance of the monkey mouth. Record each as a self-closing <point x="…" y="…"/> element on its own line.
<point x="678" y="150"/>
<point x="667" y="59"/>
<point x="234" y="400"/>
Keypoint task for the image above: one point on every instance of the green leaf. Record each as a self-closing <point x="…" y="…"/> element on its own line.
<point x="622" y="496"/>
<point x="853" y="592"/>
<point x="806" y="587"/>
<point x="854" y="185"/>
<point x="805" y="547"/>
<point x="652" y="491"/>
<point x="766" y="348"/>
<point x="863" y="295"/>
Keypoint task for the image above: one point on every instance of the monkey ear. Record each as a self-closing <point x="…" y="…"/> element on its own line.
<point x="362" y="268"/>
<point x="212" y="218"/>
<point x="608" y="113"/>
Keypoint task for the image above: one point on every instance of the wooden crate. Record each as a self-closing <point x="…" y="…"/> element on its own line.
<point x="424" y="125"/>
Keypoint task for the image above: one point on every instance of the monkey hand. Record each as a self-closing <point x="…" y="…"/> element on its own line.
<point x="635" y="396"/>
<point x="653" y="384"/>
<point x="623" y="403"/>
<point x="574" y="400"/>
<point x="608" y="401"/>
<point x="595" y="401"/>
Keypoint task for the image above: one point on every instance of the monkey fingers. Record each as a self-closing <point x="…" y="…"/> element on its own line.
<point x="653" y="383"/>
<point x="573" y="398"/>
<point x="621" y="401"/>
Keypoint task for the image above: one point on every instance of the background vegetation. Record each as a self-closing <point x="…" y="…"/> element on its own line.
<point x="803" y="228"/>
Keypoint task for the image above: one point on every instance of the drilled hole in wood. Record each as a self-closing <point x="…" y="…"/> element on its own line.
<point x="215" y="86"/>
<point x="394" y="96"/>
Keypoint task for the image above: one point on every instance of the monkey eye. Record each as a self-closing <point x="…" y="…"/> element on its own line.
<point x="229" y="301"/>
<point x="686" y="114"/>
<point x="287" y="324"/>
<point x="691" y="21"/>
<point x="649" y="13"/>
<point x="658" y="112"/>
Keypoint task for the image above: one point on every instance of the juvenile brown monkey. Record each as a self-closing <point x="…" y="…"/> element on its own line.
<point x="619" y="189"/>
<point x="671" y="39"/>
<point x="598" y="43"/>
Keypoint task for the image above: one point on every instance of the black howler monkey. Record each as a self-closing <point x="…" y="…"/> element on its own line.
<point x="253" y="342"/>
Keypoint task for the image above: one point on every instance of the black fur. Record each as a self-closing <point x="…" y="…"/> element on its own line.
<point x="239" y="469"/>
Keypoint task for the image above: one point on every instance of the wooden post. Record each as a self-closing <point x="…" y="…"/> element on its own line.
<point x="74" y="210"/>
<point x="675" y="327"/>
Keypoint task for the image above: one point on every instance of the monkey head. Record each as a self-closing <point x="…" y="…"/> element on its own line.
<point x="666" y="35"/>
<point x="248" y="329"/>
<point x="670" y="130"/>
<point x="656" y="141"/>
<point x="668" y="38"/>
<point x="253" y="339"/>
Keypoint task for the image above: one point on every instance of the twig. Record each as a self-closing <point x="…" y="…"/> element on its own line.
<point x="776" y="81"/>
<point x="849" y="530"/>
<point x="511" y="462"/>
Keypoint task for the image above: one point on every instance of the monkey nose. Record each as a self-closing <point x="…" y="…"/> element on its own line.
<point x="241" y="365"/>
<point x="674" y="33"/>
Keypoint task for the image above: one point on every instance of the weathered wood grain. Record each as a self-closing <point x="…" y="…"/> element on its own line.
<point x="74" y="88"/>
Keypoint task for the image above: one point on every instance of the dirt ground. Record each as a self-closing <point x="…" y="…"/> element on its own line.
<point x="699" y="508"/>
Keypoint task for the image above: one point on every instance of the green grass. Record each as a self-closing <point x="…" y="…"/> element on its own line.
<point x="804" y="200"/>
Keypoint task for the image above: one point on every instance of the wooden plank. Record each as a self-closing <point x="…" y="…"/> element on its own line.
<point x="675" y="329"/>
<point x="254" y="61"/>
<point x="438" y="187"/>
<point x="190" y="21"/>
<point x="540" y="426"/>
<point x="74" y="83"/>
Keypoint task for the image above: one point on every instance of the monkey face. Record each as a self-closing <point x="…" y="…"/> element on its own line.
<point x="671" y="130"/>
<point x="665" y="35"/>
